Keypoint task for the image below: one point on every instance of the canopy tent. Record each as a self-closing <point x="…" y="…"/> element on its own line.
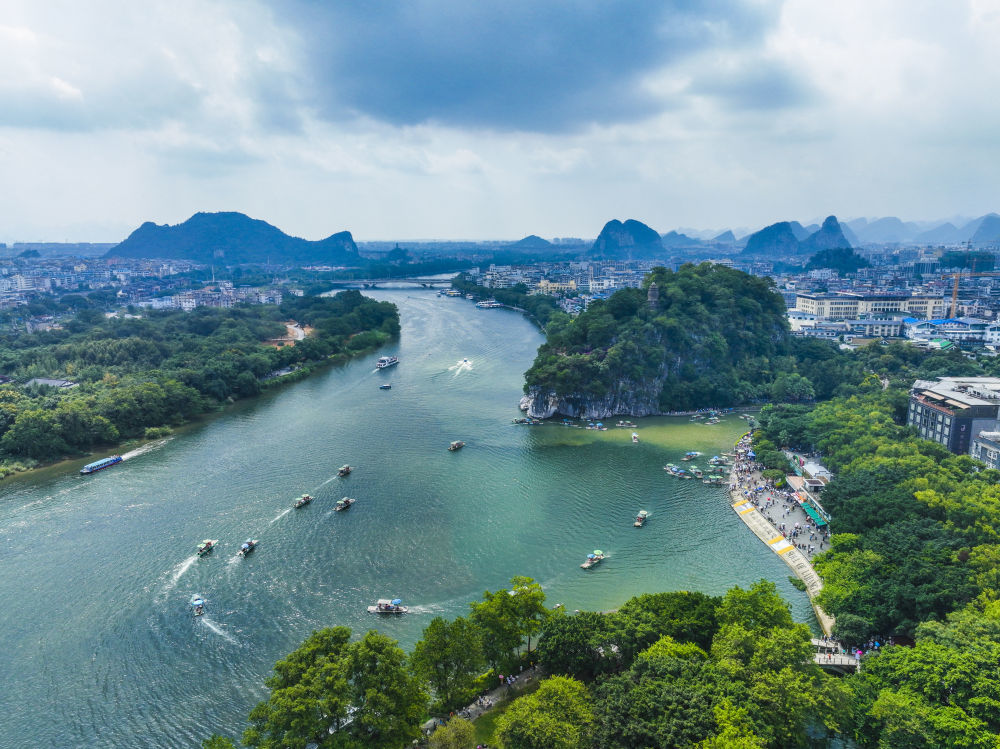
<point x="811" y="512"/>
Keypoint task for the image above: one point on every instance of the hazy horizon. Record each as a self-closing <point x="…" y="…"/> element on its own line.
<point x="490" y="121"/>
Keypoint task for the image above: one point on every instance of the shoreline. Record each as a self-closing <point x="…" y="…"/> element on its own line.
<point x="798" y="562"/>
<point x="134" y="443"/>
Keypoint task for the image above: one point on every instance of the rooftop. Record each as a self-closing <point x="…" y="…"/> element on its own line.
<point x="962" y="392"/>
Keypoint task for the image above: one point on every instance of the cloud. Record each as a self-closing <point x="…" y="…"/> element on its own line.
<point x="753" y="83"/>
<point x="514" y="65"/>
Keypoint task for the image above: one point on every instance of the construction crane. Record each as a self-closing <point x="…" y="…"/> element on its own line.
<point x="958" y="277"/>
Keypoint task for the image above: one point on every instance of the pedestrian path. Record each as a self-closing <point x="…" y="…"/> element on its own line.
<point x="767" y="532"/>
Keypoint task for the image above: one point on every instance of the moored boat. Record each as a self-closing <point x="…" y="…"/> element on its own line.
<point x="247" y="546"/>
<point x="386" y="361"/>
<point x="592" y="559"/>
<point x="626" y="424"/>
<point x="640" y="519"/>
<point x="343" y="504"/>
<point x="198" y="604"/>
<point x="206" y="546"/>
<point x="100" y="465"/>
<point x="456" y="445"/>
<point x="303" y="501"/>
<point x="387" y="606"/>
<point x="344" y="470"/>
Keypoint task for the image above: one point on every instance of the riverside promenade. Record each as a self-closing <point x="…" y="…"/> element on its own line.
<point x="767" y="532"/>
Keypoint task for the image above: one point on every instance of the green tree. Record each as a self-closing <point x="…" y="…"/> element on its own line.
<point x="449" y="657"/>
<point x="388" y="701"/>
<point x="457" y="733"/>
<point x="309" y="695"/>
<point x="557" y="716"/>
<point x="215" y="741"/>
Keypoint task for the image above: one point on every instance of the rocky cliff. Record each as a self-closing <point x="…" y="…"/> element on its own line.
<point x="687" y="339"/>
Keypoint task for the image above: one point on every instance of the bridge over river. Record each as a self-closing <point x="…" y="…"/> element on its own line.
<point x="426" y="282"/>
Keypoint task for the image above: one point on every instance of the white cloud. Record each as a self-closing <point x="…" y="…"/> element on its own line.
<point x="112" y="113"/>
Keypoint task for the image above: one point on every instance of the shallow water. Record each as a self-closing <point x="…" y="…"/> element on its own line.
<point x="100" y="647"/>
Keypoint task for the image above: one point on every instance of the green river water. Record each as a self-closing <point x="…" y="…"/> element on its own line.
<point x="100" y="647"/>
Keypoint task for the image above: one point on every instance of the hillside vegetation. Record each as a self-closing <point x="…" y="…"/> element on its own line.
<point x="164" y="367"/>
<point x="715" y="337"/>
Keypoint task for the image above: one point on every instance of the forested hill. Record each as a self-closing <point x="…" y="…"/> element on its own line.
<point x="233" y="238"/>
<point x="705" y="336"/>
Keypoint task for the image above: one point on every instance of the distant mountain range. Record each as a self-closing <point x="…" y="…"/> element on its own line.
<point x="233" y="238"/>
<point x="981" y="231"/>
<point x="790" y="238"/>
<point x="627" y="241"/>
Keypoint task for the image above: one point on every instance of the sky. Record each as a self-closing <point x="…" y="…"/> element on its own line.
<point x="409" y="119"/>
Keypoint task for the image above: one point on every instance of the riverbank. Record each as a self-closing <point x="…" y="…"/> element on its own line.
<point x="744" y="482"/>
<point x="29" y="466"/>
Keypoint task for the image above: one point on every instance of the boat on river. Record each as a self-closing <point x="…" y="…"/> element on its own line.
<point x="640" y="519"/>
<point x="387" y="606"/>
<point x="386" y="361"/>
<point x="626" y="424"/>
<point x="198" y="604"/>
<point x="456" y="445"/>
<point x="343" y="504"/>
<point x="635" y="436"/>
<point x="387" y="386"/>
<point x="247" y="547"/>
<point x="593" y="559"/>
<point x="100" y="465"/>
<point x="691" y="455"/>
<point x="206" y="546"/>
<point x="344" y="470"/>
<point x="303" y="501"/>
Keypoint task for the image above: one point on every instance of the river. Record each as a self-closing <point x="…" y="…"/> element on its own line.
<point x="100" y="647"/>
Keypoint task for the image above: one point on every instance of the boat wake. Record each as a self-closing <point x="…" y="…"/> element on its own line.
<point x="280" y="515"/>
<point x="146" y="448"/>
<point x="179" y="570"/>
<point x="219" y="630"/>
<point x="463" y="366"/>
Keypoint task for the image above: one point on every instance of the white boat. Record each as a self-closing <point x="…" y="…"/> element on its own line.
<point x="593" y="559"/>
<point x="456" y="445"/>
<point x="386" y="361"/>
<point x="206" y="546"/>
<point x="247" y="546"/>
<point x="387" y="606"/>
<point x="640" y="518"/>
<point x="343" y="504"/>
<point x="198" y="604"/>
<point x="635" y="436"/>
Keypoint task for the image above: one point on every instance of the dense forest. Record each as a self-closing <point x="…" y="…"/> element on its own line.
<point x="665" y="670"/>
<point x="713" y="337"/>
<point x="160" y="368"/>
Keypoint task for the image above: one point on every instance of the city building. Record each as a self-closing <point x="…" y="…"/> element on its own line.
<point x="986" y="447"/>
<point x="852" y="305"/>
<point x="951" y="410"/>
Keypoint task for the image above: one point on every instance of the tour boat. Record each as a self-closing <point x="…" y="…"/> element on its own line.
<point x="344" y="470"/>
<point x="386" y="606"/>
<point x="631" y="424"/>
<point x="635" y="436"/>
<point x="206" y="546"/>
<point x="691" y="455"/>
<point x="100" y="465"/>
<point x="593" y="559"/>
<point x="198" y="604"/>
<point x="343" y="504"/>
<point x="385" y="387"/>
<point x="640" y="518"/>
<point x="247" y="546"/>
<point x="303" y="501"/>
<point x="456" y="445"/>
<point x="386" y="361"/>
